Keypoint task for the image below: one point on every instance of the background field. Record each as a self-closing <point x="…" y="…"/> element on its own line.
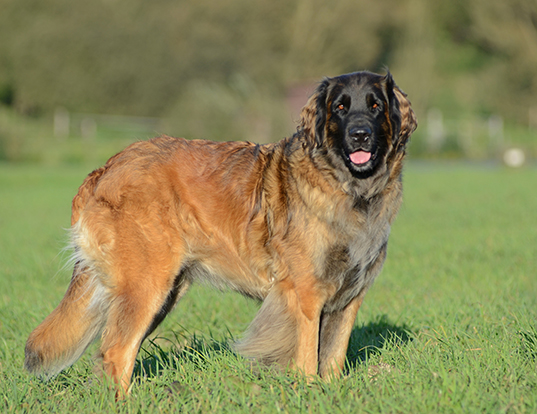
<point x="449" y="326"/>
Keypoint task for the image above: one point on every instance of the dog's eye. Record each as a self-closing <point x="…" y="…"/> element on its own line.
<point x="373" y="102"/>
<point x="342" y="104"/>
<point x="375" y="106"/>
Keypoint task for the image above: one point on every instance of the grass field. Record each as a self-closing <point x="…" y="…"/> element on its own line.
<point x="448" y="327"/>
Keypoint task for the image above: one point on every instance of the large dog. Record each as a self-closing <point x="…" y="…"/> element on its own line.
<point x="301" y="224"/>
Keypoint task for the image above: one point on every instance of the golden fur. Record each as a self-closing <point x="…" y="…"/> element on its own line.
<point x="296" y="224"/>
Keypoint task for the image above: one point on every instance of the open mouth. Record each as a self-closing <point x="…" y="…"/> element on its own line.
<point x="360" y="157"/>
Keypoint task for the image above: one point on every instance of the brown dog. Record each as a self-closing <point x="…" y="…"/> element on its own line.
<point x="301" y="224"/>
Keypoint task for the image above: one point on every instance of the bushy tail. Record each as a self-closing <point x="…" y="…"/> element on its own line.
<point x="65" y="334"/>
<point x="271" y="338"/>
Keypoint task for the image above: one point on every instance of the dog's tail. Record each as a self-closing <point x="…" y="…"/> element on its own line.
<point x="80" y="317"/>
<point x="66" y="333"/>
<point x="271" y="338"/>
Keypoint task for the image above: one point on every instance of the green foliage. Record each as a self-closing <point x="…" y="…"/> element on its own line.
<point x="145" y="58"/>
<point x="449" y="326"/>
<point x="227" y="111"/>
<point x="226" y="70"/>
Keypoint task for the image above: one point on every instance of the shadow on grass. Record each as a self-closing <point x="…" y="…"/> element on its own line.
<point x="370" y="339"/>
<point x="365" y="342"/>
<point x="153" y="357"/>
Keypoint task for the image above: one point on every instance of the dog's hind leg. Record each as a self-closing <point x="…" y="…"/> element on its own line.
<point x="66" y="333"/>
<point x="139" y="305"/>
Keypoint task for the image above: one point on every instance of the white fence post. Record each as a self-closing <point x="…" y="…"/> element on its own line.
<point x="61" y="123"/>
<point x="435" y="130"/>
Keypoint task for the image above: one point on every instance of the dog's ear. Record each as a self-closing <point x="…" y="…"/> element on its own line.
<point x="402" y="117"/>
<point x="393" y="105"/>
<point x="313" y="115"/>
<point x="409" y="122"/>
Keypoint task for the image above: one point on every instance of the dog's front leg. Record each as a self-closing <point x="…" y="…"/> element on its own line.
<point x="285" y="331"/>
<point x="306" y="357"/>
<point x="306" y="301"/>
<point x="336" y="328"/>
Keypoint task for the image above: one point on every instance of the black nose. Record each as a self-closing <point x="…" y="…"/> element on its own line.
<point x="360" y="134"/>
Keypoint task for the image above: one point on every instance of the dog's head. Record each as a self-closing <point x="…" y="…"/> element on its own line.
<point x="362" y="119"/>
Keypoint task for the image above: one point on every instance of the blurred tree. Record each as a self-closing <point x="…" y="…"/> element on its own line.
<point x="160" y="57"/>
<point x="90" y="56"/>
<point x="507" y="30"/>
<point x="415" y="54"/>
<point x="330" y="38"/>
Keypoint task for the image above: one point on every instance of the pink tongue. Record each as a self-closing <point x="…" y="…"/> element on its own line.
<point x="360" y="157"/>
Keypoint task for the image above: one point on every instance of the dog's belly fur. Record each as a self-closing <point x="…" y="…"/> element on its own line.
<point x="347" y="268"/>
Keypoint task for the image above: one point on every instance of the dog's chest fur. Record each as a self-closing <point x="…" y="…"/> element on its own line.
<point x="353" y="264"/>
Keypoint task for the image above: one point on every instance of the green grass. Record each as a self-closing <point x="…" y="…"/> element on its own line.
<point x="449" y="326"/>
